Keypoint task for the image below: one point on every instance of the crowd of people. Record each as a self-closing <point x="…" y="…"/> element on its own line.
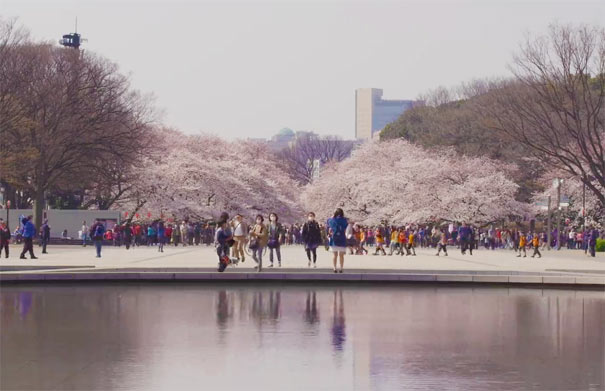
<point x="234" y="238"/>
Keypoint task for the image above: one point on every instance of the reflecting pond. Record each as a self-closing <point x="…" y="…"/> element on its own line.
<point x="302" y="337"/>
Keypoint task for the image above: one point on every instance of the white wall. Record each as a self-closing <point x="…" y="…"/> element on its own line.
<point x="60" y="219"/>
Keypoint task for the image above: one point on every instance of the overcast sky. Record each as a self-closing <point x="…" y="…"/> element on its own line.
<point x="248" y="69"/>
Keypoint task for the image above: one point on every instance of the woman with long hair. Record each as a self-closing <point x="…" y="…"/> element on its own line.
<point x="258" y="241"/>
<point x="337" y="226"/>
<point x="275" y="232"/>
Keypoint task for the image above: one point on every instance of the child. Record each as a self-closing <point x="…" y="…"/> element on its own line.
<point x="442" y="243"/>
<point x="379" y="242"/>
<point x="362" y="241"/>
<point x="536" y="243"/>
<point x="221" y="240"/>
<point x="411" y="243"/>
<point x="522" y="243"/>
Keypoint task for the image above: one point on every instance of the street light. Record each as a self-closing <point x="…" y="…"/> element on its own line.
<point x="557" y="182"/>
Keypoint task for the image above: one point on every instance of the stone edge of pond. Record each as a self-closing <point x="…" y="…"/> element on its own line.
<point x="568" y="281"/>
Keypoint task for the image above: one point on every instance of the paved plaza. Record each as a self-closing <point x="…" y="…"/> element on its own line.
<point x="484" y="265"/>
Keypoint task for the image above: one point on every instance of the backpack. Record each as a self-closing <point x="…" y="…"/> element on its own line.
<point x="98" y="232"/>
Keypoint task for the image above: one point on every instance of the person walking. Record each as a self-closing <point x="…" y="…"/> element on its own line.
<point x="176" y="235"/>
<point x="522" y="244"/>
<point x="45" y="235"/>
<point x="5" y="237"/>
<point x="379" y="242"/>
<point x="97" y="231"/>
<point x="258" y="241"/>
<point x="464" y="233"/>
<point x="412" y="243"/>
<point x="29" y="231"/>
<point x="127" y="234"/>
<point x="276" y="232"/>
<point x="161" y="236"/>
<point x="311" y="235"/>
<point x="592" y="241"/>
<point x="535" y="241"/>
<point x="84" y="233"/>
<point x="184" y="233"/>
<point x="442" y="243"/>
<point x="222" y="237"/>
<point x="337" y="226"/>
<point x="240" y="231"/>
<point x="150" y="235"/>
<point x="394" y="246"/>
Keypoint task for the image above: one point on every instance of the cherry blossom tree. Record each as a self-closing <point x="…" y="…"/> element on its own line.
<point x="199" y="176"/>
<point x="403" y="183"/>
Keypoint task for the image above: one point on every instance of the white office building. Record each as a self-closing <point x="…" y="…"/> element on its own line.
<point x="372" y="113"/>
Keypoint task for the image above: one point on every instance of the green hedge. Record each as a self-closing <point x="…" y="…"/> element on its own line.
<point x="601" y="245"/>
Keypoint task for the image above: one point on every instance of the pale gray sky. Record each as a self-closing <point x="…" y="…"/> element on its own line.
<point x="248" y="68"/>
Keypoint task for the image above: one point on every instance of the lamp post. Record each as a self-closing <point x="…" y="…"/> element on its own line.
<point x="583" y="209"/>
<point x="549" y="226"/>
<point x="557" y="184"/>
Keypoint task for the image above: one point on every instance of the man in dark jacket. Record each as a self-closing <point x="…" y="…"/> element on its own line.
<point x="592" y="241"/>
<point x="5" y="237"/>
<point x="45" y="236"/>
<point x="29" y="232"/>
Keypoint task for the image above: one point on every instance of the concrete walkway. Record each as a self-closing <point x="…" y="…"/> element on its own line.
<point x="564" y="267"/>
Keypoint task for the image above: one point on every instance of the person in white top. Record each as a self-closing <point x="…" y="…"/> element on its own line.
<point x="184" y="238"/>
<point x="571" y="240"/>
<point x="240" y="232"/>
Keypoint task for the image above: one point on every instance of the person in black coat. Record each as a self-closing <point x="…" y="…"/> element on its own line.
<point x="45" y="231"/>
<point x="5" y="237"/>
<point x="311" y="235"/>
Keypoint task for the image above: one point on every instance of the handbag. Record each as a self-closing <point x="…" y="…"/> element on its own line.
<point x="273" y="243"/>
<point x="253" y="245"/>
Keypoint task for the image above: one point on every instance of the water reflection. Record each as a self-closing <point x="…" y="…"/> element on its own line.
<point x="311" y="314"/>
<point x="154" y="336"/>
<point x="338" y="322"/>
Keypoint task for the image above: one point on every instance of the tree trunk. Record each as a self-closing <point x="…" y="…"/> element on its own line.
<point x="38" y="208"/>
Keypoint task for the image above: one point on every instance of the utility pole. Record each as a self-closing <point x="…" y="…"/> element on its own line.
<point x="583" y="209"/>
<point x="549" y="226"/>
<point x="559" y="181"/>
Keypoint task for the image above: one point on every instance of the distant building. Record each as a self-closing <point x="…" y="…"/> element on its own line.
<point x="372" y="113"/>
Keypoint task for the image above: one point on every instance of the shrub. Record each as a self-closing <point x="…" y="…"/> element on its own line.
<point x="601" y="245"/>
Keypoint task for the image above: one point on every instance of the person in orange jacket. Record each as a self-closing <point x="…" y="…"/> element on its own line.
<point x="522" y="244"/>
<point x="411" y="243"/>
<point x="379" y="242"/>
<point x="536" y="245"/>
